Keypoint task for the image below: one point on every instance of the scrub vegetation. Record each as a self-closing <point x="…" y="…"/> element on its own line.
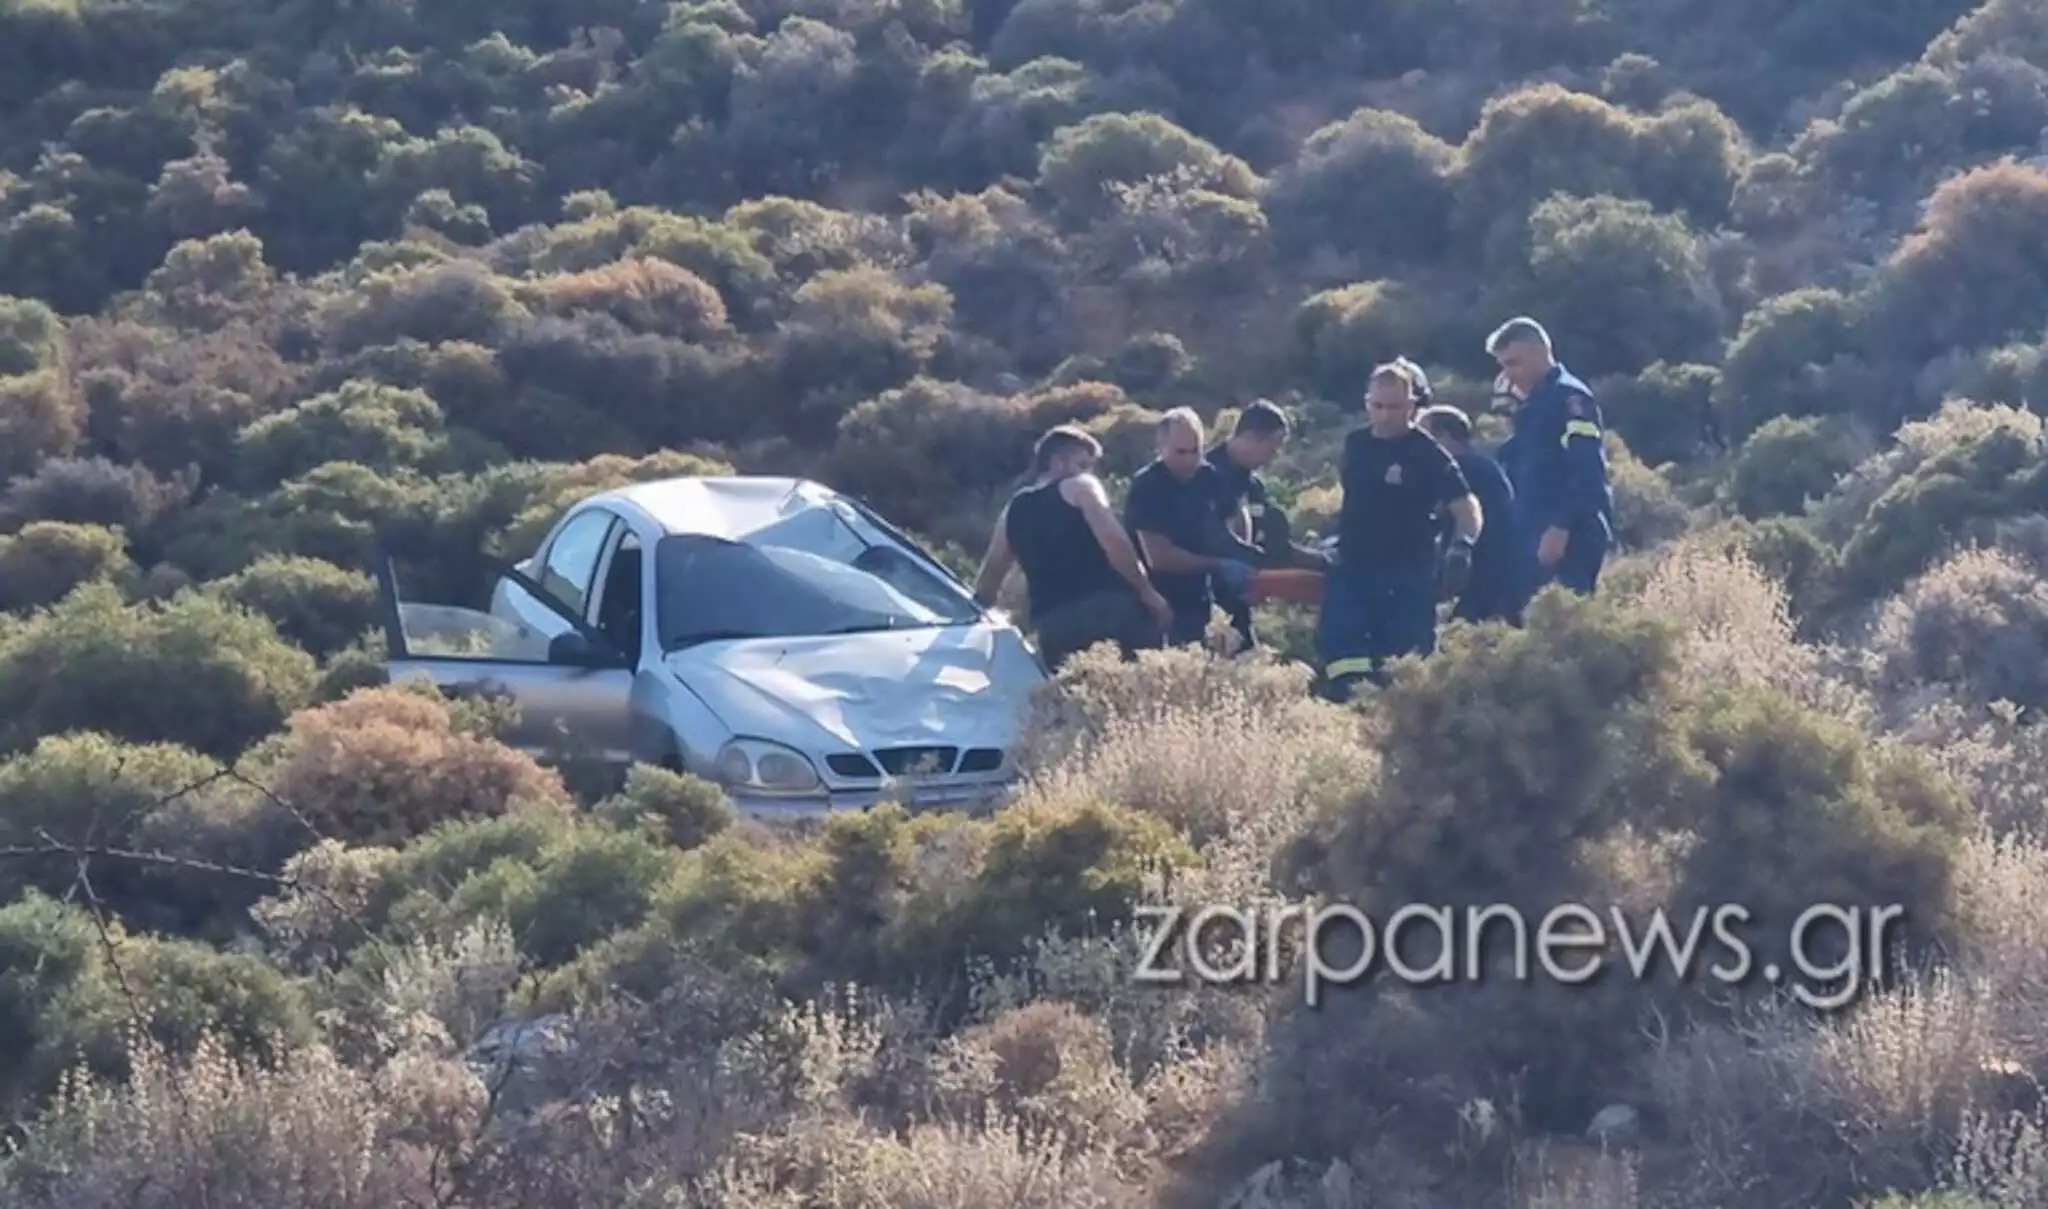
<point x="277" y="275"/>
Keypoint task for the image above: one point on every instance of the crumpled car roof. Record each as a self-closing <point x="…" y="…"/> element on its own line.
<point x="731" y="507"/>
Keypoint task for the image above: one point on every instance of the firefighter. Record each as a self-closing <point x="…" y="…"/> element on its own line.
<point x="1557" y="461"/>
<point x="1174" y="514"/>
<point x="1255" y="526"/>
<point x="1489" y="592"/>
<point x="1380" y="595"/>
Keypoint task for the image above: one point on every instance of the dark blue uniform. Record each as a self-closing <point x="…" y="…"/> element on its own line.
<point x="1379" y="601"/>
<point x="1238" y="488"/>
<point x="1496" y="569"/>
<point x="1557" y="462"/>
<point x="1187" y="513"/>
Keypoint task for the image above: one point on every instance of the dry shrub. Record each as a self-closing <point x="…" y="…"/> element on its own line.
<point x="1787" y="1108"/>
<point x="2002" y="912"/>
<point x="933" y="1166"/>
<point x="955" y="1160"/>
<point x="218" y="1132"/>
<point x="1052" y="1070"/>
<point x="1236" y="755"/>
<point x="2001" y="762"/>
<point x="1901" y="1071"/>
<point x="1232" y="752"/>
<point x="1738" y="626"/>
<point x="386" y="764"/>
<point x="329" y="888"/>
<point x="1096" y="691"/>
<point x="1153" y="1028"/>
<point x="2002" y="1157"/>
<point x="447" y="994"/>
<point x="1975" y="625"/>
<point x="1187" y="1097"/>
<point x="644" y="294"/>
<point x="1574" y="1175"/>
<point x="1385" y="1086"/>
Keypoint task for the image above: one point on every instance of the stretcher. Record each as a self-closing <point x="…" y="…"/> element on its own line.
<point x="1293" y="585"/>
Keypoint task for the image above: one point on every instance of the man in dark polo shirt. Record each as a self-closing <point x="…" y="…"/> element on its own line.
<point x="1174" y="514"/>
<point x="1489" y="595"/>
<point x="1379" y="600"/>
<point x="1248" y="511"/>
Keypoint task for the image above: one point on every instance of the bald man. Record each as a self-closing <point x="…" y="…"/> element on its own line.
<point x="1176" y="518"/>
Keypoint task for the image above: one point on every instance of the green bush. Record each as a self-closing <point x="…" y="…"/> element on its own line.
<point x="317" y="605"/>
<point x="678" y="808"/>
<point x="85" y="789"/>
<point x="1787" y="462"/>
<point x="46" y="559"/>
<point x="1802" y="811"/>
<point x="65" y="999"/>
<point x="194" y="671"/>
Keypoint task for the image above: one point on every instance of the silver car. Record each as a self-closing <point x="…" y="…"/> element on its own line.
<point x="768" y="634"/>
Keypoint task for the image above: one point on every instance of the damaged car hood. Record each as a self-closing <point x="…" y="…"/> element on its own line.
<point x="963" y="685"/>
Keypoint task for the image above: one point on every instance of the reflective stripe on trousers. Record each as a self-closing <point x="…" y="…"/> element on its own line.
<point x="1372" y="614"/>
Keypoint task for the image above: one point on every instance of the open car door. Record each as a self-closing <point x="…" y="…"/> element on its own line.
<point x="488" y="628"/>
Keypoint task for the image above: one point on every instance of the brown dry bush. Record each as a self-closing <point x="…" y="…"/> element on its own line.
<point x="1786" y="1108"/>
<point x="223" y="1133"/>
<point x="1736" y="623"/>
<point x="386" y="764"/>
<point x="1050" y="1068"/>
<point x="645" y="294"/>
<point x="1218" y="748"/>
<point x="2002" y="909"/>
<point x="967" y="1151"/>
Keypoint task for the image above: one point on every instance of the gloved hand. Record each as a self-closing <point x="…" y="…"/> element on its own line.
<point x="1456" y="572"/>
<point x="1328" y="548"/>
<point x="1235" y="575"/>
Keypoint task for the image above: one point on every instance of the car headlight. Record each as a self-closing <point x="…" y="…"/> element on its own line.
<point x="758" y="766"/>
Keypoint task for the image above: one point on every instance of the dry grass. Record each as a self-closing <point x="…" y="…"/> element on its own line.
<point x="1738" y="627"/>
<point x="214" y="1132"/>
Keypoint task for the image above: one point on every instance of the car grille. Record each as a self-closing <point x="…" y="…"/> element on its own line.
<point x="900" y="761"/>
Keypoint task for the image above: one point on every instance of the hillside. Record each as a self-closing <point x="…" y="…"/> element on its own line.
<point x="276" y="277"/>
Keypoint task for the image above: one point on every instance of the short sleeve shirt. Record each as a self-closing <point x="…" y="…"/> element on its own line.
<point x="1395" y="490"/>
<point x="1185" y="513"/>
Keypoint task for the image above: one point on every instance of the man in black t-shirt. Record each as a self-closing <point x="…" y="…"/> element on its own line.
<point x="1489" y="595"/>
<point x="1379" y="600"/>
<point x="1174" y="513"/>
<point x="1255" y="528"/>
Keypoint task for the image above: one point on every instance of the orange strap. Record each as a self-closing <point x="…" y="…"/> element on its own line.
<point x="1297" y="585"/>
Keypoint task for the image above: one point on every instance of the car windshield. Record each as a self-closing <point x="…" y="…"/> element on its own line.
<point x="813" y="575"/>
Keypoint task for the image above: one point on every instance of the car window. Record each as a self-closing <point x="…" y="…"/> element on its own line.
<point x="618" y="600"/>
<point x="813" y="575"/>
<point x="572" y="560"/>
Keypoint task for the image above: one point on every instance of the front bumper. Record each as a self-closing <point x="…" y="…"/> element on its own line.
<point x="969" y="796"/>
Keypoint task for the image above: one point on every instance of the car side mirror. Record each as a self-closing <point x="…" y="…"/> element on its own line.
<point x="573" y="649"/>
